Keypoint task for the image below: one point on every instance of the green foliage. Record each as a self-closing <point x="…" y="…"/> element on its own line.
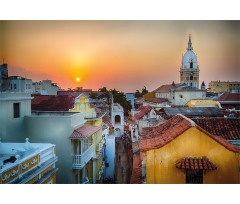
<point x="93" y="95"/>
<point x="140" y="94"/>
<point x="119" y="97"/>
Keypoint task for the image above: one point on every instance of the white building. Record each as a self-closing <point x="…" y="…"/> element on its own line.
<point x="118" y="119"/>
<point x="184" y="93"/>
<point x="20" y="84"/>
<point x="13" y="109"/>
<point x="45" y="87"/>
<point x="22" y="163"/>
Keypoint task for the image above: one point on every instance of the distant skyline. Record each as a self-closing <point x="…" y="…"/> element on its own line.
<point x="125" y="55"/>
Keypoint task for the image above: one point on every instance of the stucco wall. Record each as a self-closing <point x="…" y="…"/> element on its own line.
<point x="187" y="96"/>
<point x="12" y="129"/>
<point x="110" y="156"/>
<point x="160" y="163"/>
<point x="55" y="130"/>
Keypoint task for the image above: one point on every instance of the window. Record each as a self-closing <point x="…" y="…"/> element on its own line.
<point x="16" y="110"/>
<point x="191" y="64"/>
<point x="11" y="86"/>
<point x="106" y="164"/>
<point x="191" y="84"/>
<point x="117" y="119"/>
<point x="15" y="86"/>
<point x="181" y="96"/>
<point x="191" y="77"/>
<point x="194" y="176"/>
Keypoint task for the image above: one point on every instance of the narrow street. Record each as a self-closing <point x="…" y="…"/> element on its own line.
<point x="123" y="163"/>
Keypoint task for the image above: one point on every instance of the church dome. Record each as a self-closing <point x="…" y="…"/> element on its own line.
<point x="189" y="60"/>
<point x="189" y="56"/>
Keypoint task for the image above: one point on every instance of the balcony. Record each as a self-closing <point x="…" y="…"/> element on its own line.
<point x="80" y="160"/>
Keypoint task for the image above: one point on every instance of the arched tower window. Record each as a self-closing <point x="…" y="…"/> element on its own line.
<point x="117" y="119"/>
<point x="191" y="64"/>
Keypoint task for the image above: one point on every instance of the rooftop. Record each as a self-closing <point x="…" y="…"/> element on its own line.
<point x="166" y="88"/>
<point x="228" y="128"/>
<point x="194" y="111"/>
<point x="159" y="136"/>
<point x="143" y="112"/>
<point x="156" y="100"/>
<point x="196" y="163"/>
<point x="230" y="97"/>
<point x="84" y="131"/>
<point x="52" y="102"/>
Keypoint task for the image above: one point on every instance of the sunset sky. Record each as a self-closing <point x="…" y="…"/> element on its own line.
<point x="125" y="55"/>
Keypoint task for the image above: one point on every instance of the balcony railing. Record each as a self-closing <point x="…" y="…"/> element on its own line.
<point x="79" y="161"/>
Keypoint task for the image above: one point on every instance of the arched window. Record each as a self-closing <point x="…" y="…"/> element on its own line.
<point x="191" y="64"/>
<point x="117" y="119"/>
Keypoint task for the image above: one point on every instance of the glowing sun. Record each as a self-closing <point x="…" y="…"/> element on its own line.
<point x="77" y="79"/>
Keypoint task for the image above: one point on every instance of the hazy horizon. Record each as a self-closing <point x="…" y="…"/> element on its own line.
<point x="125" y="55"/>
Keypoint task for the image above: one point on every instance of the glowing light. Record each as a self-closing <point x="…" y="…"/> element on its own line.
<point x="78" y="79"/>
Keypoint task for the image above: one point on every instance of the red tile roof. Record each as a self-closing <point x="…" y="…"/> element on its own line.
<point x="136" y="177"/>
<point x="52" y="103"/>
<point x="158" y="136"/>
<point x="143" y="112"/>
<point x="229" y="97"/>
<point x="156" y="100"/>
<point x="166" y="88"/>
<point x="84" y="131"/>
<point x="196" y="163"/>
<point x="228" y="128"/>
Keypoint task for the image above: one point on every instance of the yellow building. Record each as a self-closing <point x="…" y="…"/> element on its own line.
<point x="88" y="144"/>
<point x="203" y="103"/>
<point x="223" y="86"/>
<point x="27" y="163"/>
<point x="179" y="151"/>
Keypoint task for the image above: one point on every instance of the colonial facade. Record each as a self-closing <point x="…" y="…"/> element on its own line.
<point x="224" y="86"/>
<point x="189" y="71"/>
<point x="180" y="151"/>
<point x="88" y="144"/>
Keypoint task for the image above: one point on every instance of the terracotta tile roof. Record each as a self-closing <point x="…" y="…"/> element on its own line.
<point x="158" y="136"/>
<point x="143" y="112"/>
<point x="166" y="88"/>
<point x="228" y="128"/>
<point x="139" y="108"/>
<point x="202" y="163"/>
<point x="136" y="177"/>
<point x="84" y="131"/>
<point x="52" y="103"/>
<point x="156" y="100"/>
<point x="229" y="97"/>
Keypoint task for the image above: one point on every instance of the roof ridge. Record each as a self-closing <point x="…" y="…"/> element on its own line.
<point x="193" y="124"/>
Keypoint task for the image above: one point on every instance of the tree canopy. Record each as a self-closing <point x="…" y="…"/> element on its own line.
<point x="140" y="94"/>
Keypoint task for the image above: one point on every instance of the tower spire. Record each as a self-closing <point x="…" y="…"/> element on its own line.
<point x="189" y="44"/>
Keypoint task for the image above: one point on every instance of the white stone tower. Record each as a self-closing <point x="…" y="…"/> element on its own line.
<point x="189" y="71"/>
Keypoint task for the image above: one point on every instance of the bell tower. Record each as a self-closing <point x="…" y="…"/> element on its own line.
<point x="189" y="71"/>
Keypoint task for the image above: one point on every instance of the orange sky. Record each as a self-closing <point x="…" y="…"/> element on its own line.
<point x="118" y="54"/>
